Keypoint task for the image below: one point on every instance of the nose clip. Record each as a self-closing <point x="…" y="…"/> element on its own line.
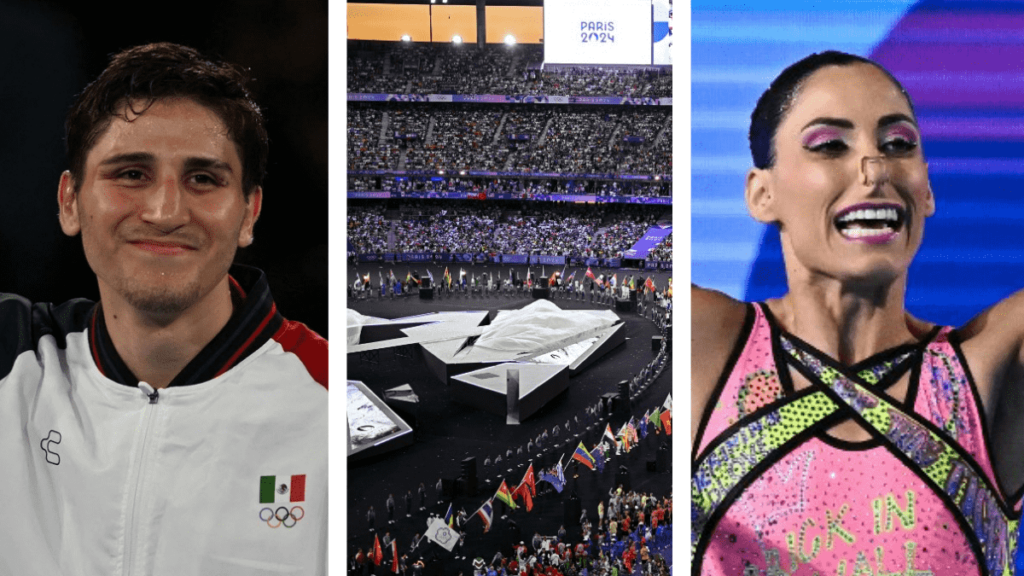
<point x="875" y="170"/>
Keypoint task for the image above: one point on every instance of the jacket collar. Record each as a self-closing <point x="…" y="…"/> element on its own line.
<point x="254" y="321"/>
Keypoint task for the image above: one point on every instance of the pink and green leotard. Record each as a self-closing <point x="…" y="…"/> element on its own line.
<point x="773" y="493"/>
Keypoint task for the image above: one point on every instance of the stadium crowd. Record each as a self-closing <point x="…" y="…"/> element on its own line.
<point x="367" y="230"/>
<point x="451" y="226"/>
<point x="662" y="252"/>
<point x="521" y="187"/>
<point x="586" y="139"/>
<point x="425" y="68"/>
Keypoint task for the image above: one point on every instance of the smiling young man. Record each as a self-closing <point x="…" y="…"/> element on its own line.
<point x="179" y="425"/>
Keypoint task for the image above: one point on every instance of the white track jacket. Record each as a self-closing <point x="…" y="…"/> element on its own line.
<point x="223" y="472"/>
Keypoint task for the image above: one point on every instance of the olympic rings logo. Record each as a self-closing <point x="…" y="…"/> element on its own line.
<point x="282" y="515"/>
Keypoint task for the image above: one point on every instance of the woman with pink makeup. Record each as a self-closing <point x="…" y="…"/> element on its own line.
<point x="832" y="432"/>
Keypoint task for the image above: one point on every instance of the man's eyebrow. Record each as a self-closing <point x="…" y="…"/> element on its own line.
<point x="194" y="163"/>
<point x="894" y="119"/>
<point x="128" y="158"/>
<point x="837" y="122"/>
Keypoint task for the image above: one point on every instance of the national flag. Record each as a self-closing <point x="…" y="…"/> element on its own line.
<point x="441" y="534"/>
<point x="529" y="277"/>
<point x="632" y="430"/>
<point x="614" y="281"/>
<point x="666" y="420"/>
<point x="524" y="491"/>
<point x="462" y="276"/>
<point x="449" y="519"/>
<point x="669" y="291"/>
<point x="505" y="496"/>
<point x="555" y="476"/>
<point x="598" y="454"/>
<point x="632" y="282"/>
<point x="377" y="555"/>
<point x="571" y="276"/>
<point x="529" y="480"/>
<point x="590" y="274"/>
<point x="655" y="417"/>
<point x="583" y="456"/>
<point x="554" y="276"/>
<point x="643" y="425"/>
<point x="650" y="284"/>
<point x="431" y="276"/>
<point x="447" y="278"/>
<point x="486" y="513"/>
<point x="391" y="277"/>
<point x="274" y="489"/>
<point x="394" y="556"/>
<point x="667" y="404"/>
<point x="626" y="437"/>
<point x="610" y="435"/>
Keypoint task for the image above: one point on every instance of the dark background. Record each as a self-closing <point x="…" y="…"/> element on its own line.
<point x="51" y="50"/>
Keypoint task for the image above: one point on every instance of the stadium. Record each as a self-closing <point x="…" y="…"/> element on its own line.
<point x="509" y="197"/>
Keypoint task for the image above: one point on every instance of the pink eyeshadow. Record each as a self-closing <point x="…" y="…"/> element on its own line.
<point x="903" y="131"/>
<point x="820" y="136"/>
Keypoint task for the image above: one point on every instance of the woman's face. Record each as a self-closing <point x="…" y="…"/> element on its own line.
<point x="849" y="188"/>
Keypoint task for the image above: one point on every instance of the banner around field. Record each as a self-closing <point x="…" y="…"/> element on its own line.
<point x="513" y="99"/>
<point x="576" y="198"/>
<point x="547" y="175"/>
<point x="654" y="236"/>
<point x="523" y="259"/>
<point x="538" y="259"/>
<point x="514" y="259"/>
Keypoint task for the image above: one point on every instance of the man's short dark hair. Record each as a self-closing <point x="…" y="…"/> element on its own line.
<point x="773" y="105"/>
<point x="142" y="75"/>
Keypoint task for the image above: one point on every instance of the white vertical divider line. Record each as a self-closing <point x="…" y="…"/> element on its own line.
<point x="681" y="184"/>
<point x="337" y="182"/>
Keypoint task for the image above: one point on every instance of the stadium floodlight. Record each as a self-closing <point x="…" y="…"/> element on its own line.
<point x="462" y="172"/>
<point x="657" y="177"/>
<point x="456" y="39"/>
<point x="510" y="40"/>
<point x="406" y="38"/>
<point x="440" y="172"/>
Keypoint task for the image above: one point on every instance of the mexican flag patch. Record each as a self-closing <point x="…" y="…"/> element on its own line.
<point x="274" y="489"/>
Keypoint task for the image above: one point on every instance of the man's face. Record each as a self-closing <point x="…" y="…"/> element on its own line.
<point x="161" y="207"/>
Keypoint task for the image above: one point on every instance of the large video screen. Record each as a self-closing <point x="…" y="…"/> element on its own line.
<point x="597" y="32"/>
<point x="662" y="34"/>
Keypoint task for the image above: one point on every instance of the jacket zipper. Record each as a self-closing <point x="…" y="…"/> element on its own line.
<point x="147" y="423"/>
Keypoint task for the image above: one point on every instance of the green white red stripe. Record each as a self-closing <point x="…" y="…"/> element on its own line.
<point x="275" y="489"/>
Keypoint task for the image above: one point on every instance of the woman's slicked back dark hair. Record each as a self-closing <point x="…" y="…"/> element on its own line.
<point x="139" y="76"/>
<point x="773" y="105"/>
